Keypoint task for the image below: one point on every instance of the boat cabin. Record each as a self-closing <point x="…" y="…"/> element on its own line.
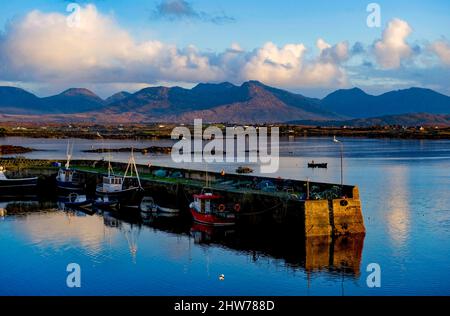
<point x="68" y="175"/>
<point x="206" y="202"/>
<point x="112" y="184"/>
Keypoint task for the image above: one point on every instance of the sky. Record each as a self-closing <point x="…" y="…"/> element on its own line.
<point x="308" y="47"/>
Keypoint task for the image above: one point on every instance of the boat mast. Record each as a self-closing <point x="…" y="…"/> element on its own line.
<point x="69" y="153"/>
<point x="131" y="166"/>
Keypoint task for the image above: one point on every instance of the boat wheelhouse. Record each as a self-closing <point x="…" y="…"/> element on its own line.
<point x="69" y="179"/>
<point x="208" y="208"/>
<point x="116" y="188"/>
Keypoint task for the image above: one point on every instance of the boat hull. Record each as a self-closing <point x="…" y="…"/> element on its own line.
<point x="167" y="210"/>
<point x="18" y="183"/>
<point x="213" y="220"/>
<point x="69" y="186"/>
<point x="318" y="165"/>
<point x="123" y="195"/>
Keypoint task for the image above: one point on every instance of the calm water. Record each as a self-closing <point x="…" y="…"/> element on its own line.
<point x="405" y="192"/>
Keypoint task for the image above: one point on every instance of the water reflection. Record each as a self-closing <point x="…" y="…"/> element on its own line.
<point x="398" y="215"/>
<point x="94" y="232"/>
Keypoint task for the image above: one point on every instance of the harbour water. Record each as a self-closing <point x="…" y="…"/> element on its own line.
<point x="405" y="193"/>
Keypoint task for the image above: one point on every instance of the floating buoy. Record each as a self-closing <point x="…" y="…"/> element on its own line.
<point x="222" y="277"/>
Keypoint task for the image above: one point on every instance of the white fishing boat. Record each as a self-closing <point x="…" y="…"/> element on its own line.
<point x="119" y="188"/>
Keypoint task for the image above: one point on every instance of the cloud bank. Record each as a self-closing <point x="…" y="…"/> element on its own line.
<point x="43" y="48"/>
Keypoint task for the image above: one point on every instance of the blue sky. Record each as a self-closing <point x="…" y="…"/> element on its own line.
<point x="248" y="25"/>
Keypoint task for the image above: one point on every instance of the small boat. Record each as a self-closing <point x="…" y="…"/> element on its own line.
<point x="209" y="209"/>
<point x="75" y="200"/>
<point x="69" y="179"/>
<point x="314" y="165"/>
<point x="148" y="205"/>
<point x="16" y="183"/>
<point x="244" y="170"/>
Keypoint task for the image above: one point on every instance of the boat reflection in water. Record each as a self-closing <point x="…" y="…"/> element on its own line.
<point x="341" y="255"/>
<point x="23" y="207"/>
<point x="288" y="247"/>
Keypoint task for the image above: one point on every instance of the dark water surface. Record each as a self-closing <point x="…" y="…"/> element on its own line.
<point x="405" y="193"/>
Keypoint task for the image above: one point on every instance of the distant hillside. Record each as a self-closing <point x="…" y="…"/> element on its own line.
<point x="358" y="104"/>
<point x="117" y="97"/>
<point x="252" y="102"/>
<point x="225" y="102"/>
<point x="72" y="101"/>
<point x="18" y="101"/>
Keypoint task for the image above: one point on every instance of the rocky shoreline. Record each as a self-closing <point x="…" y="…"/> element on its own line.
<point x="156" y="131"/>
<point x="14" y="150"/>
<point x="144" y="151"/>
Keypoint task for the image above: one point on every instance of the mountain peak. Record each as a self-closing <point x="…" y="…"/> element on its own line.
<point x="253" y="83"/>
<point x="215" y="86"/>
<point x="119" y="96"/>
<point x="350" y="91"/>
<point x="79" y="91"/>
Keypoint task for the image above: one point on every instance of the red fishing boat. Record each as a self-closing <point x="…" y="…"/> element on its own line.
<point x="208" y="208"/>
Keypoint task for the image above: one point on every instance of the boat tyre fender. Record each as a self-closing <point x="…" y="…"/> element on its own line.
<point x="222" y="207"/>
<point x="344" y="203"/>
<point x="237" y="207"/>
<point x="73" y="197"/>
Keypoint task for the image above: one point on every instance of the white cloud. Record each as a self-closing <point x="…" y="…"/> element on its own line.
<point x="442" y="49"/>
<point x="289" y="66"/>
<point x="41" y="47"/>
<point x="393" y="48"/>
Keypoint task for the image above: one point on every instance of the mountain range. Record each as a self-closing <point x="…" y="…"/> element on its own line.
<point x="252" y="102"/>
